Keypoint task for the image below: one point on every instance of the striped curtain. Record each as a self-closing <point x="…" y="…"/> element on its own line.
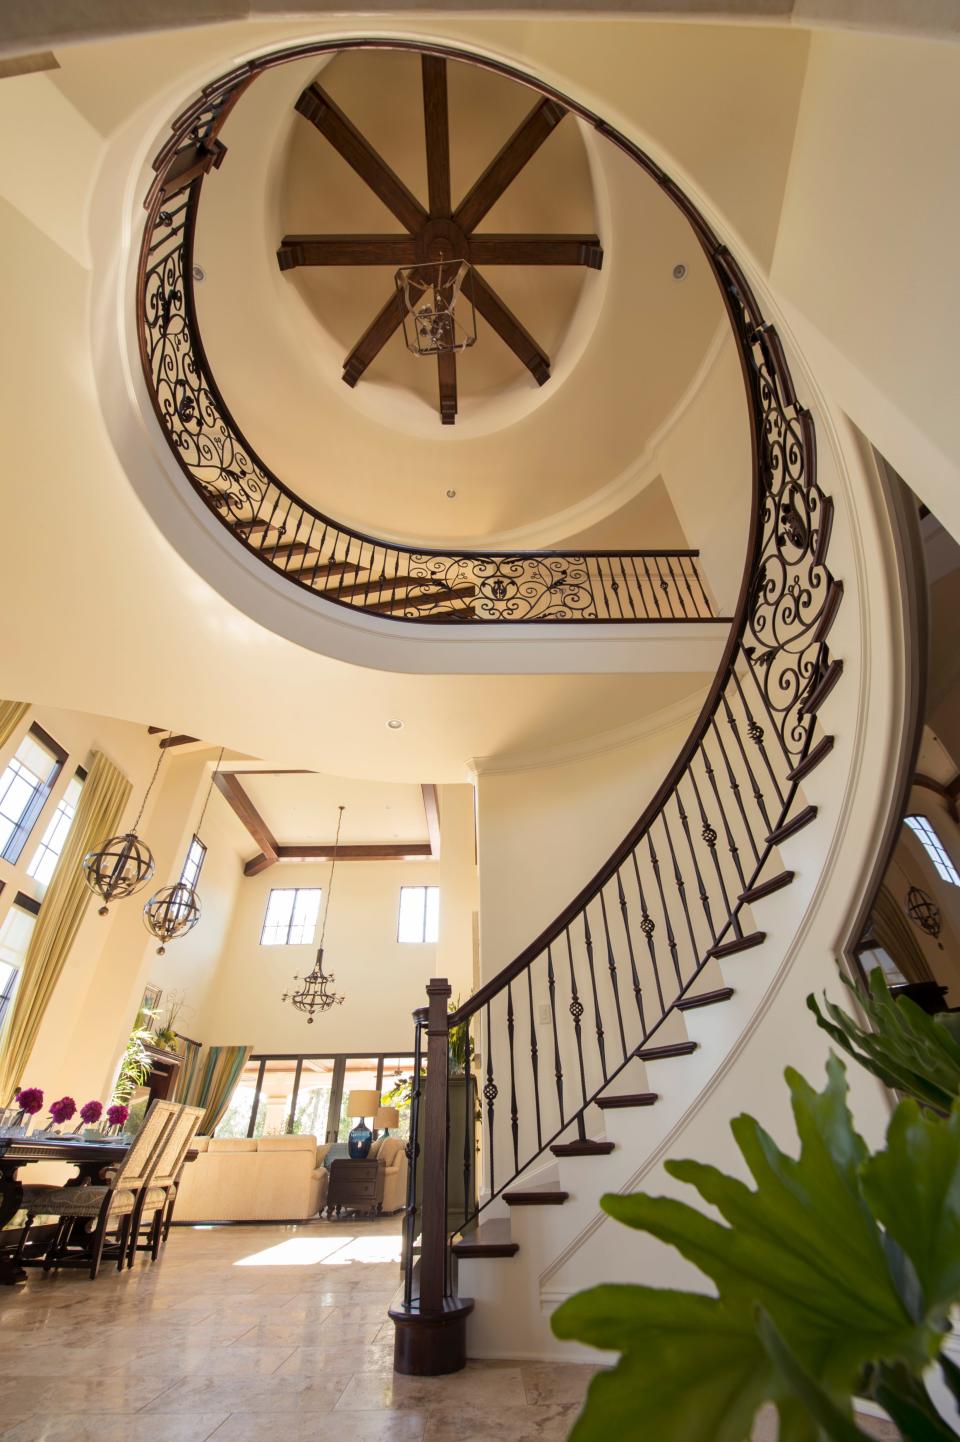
<point x="104" y="795"/>
<point x="11" y="714"/>
<point x="213" y="1082"/>
<point x="190" y="1051"/>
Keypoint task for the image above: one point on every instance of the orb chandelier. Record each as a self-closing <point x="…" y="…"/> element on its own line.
<point x="122" y="864"/>
<point x="438" y="316"/>
<point x="924" y="912"/>
<point x="316" y="991"/>
<point x="174" y="910"/>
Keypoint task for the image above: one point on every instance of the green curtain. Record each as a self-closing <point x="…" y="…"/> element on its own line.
<point x="213" y="1081"/>
<point x="104" y="795"/>
<point x="11" y="714"/>
<point x="190" y="1051"/>
<point x="894" y="931"/>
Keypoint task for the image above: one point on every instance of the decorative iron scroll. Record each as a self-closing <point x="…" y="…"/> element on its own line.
<point x="314" y="551"/>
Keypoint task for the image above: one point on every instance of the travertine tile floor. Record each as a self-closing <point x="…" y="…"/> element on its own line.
<point x="257" y="1334"/>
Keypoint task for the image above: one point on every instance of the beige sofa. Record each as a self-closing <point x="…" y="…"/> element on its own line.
<point x="275" y="1179"/>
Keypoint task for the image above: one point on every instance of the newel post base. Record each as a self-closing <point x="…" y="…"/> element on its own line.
<point x="431" y="1344"/>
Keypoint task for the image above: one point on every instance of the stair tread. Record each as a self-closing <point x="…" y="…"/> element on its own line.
<point x="705" y="998"/>
<point x="585" y="1148"/>
<point x="673" y="1048"/>
<point x="738" y="943"/>
<point x="802" y="818"/>
<point x="490" y="1239"/>
<point x="631" y="1099"/>
<point x="767" y="888"/>
<point x="535" y="1199"/>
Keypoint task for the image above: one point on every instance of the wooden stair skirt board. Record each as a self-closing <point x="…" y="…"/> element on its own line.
<point x="767" y="888"/>
<point x="636" y="1099"/>
<point x="738" y="943"/>
<point x="535" y="1199"/>
<point x="660" y="1053"/>
<point x="491" y="1239"/>
<point x="705" y="998"/>
<point x="791" y="827"/>
<point x="585" y="1148"/>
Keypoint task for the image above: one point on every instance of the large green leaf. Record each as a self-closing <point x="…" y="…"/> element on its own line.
<point x="833" y="1421"/>
<point x="691" y="1372"/>
<point x="913" y="1186"/>
<point x="906" y="1400"/>
<point x="907" y="1049"/>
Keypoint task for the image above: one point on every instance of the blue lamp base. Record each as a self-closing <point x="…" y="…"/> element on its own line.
<point x="359" y="1141"/>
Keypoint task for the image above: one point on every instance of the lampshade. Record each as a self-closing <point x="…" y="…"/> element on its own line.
<point x="386" y="1117"/>
<point x="363" y="1104"/>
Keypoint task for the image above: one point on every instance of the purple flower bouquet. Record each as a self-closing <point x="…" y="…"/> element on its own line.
<point x="60" y="1111"/>
<point x="13" y="1120"/>
<point x="117" y="1116"/>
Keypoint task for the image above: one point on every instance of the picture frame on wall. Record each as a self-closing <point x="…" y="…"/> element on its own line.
<point x="151" y="1003"/>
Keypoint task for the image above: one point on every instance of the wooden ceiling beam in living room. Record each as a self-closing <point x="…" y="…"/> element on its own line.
<point x="228" y="784"/>
<point x="510" y="330"/>
<point x="371" y="851"/>
<point x="507" y="164"/>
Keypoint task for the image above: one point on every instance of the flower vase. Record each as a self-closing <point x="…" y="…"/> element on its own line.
<point x="13" y="1122"/>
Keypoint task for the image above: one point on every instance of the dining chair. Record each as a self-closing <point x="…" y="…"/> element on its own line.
<point x="165" y="1179"/>
<point x="114" y="1202"/>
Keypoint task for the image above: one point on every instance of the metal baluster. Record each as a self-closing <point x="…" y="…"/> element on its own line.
<point x="665" y="588"/>
<point x="612" y="968"/>
<point x="701" y="888"/>
<point x="627" y="588"/>
<point x="514" y="1118"/>
<point x="707" y="607"/>
<point x="754" y="783"/>
<point x="634" y="975"/>
<point x="709" y="836"/>
<point x="534" y="1057"/>
<point x="686" y="581"/>
<point x="651" y="584"/>
<point x="752" y="669"/>
<point x="558" y="1068"/>
<point x="490" y="1096"/>
<point x="734" y="787"/>
<point x="756" y="733"/>
<point x="640" y="595"/>
<point x="671" y="939"/>
<point x="468" y="1131"/>
<point x="675" y="565"/>
<point x="732" y="846"/>
<point x="648" y="926"/>
<point x="681" y="886"/>
<point x="598" y="1018"/>
<point x="576" y="1011"/>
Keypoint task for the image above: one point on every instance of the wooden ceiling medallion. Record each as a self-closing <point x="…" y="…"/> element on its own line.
<point x="440" y="233"/>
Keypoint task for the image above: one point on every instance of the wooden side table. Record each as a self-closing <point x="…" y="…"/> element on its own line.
<point x="354" y="1186"/>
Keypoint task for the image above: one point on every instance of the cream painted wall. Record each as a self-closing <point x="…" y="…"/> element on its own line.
<point x="382" y="979"/>
<point x="866" y="255"/>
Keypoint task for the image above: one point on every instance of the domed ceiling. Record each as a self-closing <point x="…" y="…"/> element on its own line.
<point x="627" y="344"/>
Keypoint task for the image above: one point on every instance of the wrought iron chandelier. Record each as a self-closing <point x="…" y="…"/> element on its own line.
<point x="438" y="316"/>
<point x="316" y="992"/>
<point x="924" y="912"/>
<point x="174" y="910"/>
<point x="122" y="864"/>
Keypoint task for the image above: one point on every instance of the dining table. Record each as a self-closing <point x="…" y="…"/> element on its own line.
<point x="89" y="1156"/>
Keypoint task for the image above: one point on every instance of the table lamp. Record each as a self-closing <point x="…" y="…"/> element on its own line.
<point x="386" y="1118"/>
<point x="361" y="1104"/>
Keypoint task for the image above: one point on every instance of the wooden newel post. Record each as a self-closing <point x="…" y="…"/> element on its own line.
<point x="431" y="1334"/>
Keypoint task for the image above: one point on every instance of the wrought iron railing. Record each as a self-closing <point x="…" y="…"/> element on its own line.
<point x="312" y="550"/>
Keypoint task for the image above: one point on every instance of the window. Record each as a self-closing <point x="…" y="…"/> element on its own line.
<point x="196" y="853"/>
<point x="24" y="787"/>
<point x="933" y="846"/>
<point x="291" y="918"/>
<point x="15" y="936"/>
<point x="47" y="854"/>
<point x="419" y="913"/>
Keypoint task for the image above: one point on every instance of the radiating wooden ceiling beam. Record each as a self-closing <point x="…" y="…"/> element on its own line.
<point x="431" y="810"/>
<point x="228" y="784"/>
<point x="507" y="164"/>
<point x="374" y="338"/>
<point x="296" y="250"/>
<point x="447" y="386"/>
<point x="536" y="250"/>
<point x="360" y="155"/>
<point x="508" y="327"/>
<point x="437" y="131"/>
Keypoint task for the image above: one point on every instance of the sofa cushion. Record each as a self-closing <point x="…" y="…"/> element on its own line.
<point x="337" y="1149"/>
<point x="391" y="1150"/>
<point x="232" y="1144"/>
<point x="374" y="1151"/>
<point x="287" y="1144"/>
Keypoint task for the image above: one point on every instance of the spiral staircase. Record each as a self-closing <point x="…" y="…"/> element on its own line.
<point x="621" y="1025"/>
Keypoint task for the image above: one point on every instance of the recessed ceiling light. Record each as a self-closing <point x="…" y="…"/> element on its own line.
<point x="199" y="273"/>
<point x="679" y="270"/>
<point x="394" y="725"/>
<point x="451" y="495"/>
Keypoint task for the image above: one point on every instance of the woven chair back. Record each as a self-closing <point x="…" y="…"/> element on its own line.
<point x="176" y="1145"/>
<point x="145" y="1149"/>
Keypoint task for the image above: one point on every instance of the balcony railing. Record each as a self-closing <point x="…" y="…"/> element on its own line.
<point x="335" y="561"/>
